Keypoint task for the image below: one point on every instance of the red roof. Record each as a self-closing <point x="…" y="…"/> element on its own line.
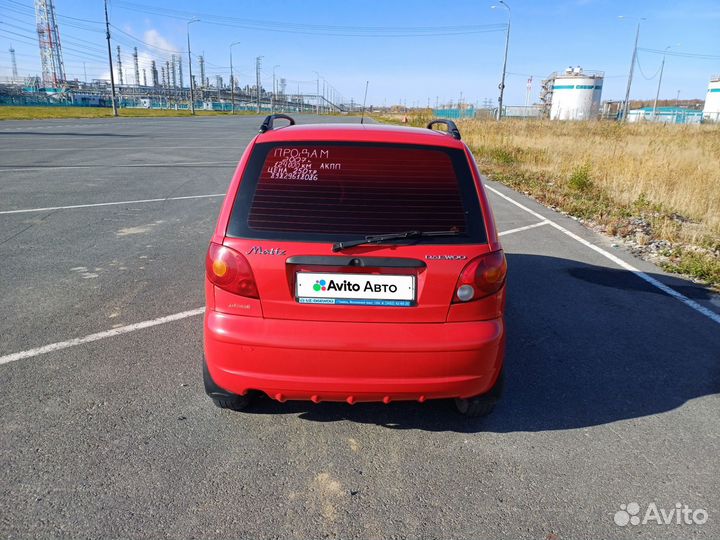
<point x="360" y="133"/>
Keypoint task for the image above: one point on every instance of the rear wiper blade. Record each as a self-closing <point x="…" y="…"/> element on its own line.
<point x="380" y="238"/>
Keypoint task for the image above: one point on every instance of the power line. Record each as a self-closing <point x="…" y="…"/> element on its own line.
<point x="643" y="73"/>
<point x="314" y="29"/>
<point x="699" y="56"/>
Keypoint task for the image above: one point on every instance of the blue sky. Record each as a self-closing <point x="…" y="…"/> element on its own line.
<point x="546" y="36"/>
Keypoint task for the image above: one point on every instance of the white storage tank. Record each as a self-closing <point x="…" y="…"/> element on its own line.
<point x="711" y="110"/>
<point x="576" y="94"/>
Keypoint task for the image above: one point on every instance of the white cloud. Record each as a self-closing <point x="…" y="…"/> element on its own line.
<point x="154" y="38"/>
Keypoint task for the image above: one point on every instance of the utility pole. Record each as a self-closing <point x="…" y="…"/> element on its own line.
<point x="258" y="65"/>
<point x="192" y="95"/>
<point x="232" y="80"/>
<point x="272" y="106"/>
<point x="657" y="94"/>
<point x="626" y="106"/>
<point x="501" y="86"/>
<point x="112" y="77"/>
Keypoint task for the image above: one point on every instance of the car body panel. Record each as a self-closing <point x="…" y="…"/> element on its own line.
<point x="275" y="344"/>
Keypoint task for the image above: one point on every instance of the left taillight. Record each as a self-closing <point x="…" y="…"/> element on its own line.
<point x="481" y="277"/>
<point x="229" y="270"/>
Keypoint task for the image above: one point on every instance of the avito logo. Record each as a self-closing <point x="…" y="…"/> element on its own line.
<point x="319" y="285"/>
<point x="347" y="286"/>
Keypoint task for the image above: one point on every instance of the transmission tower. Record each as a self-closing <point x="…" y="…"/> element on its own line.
<point x="53" y="69"/>
<point x="119" y="66"/>
<point x="137" y="67"/>
<point x="13" y="62"/>
<point x="258" y="67"/>
<point x="201" y="60"/>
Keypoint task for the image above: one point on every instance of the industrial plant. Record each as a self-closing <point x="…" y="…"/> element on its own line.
<point x="182" y="81"/>
<point x="160" y="84"/>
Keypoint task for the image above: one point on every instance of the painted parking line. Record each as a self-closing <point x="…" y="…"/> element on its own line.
<point x="115" y="148"/>
<point x="715" y="317"/>
<point x="98" y="336"/>
<point x="51" y="168"/>
<point x="525" y="228"/>
<point x="139" y="201"/>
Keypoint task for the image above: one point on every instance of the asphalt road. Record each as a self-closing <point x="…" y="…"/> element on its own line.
<point x="611" y="384"/>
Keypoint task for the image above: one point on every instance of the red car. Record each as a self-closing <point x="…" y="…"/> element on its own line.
<point x="355" y="262"/>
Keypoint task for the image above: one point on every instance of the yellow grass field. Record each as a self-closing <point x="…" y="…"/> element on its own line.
<point x="614" y="175"/>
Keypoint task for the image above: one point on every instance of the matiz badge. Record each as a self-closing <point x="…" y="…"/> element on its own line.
<point x="258" y="250"/>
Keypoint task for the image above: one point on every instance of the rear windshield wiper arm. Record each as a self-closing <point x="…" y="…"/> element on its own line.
<point x="380" y="238"/>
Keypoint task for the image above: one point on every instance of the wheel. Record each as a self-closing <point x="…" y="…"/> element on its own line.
<point x="482" y="405"/>
<point x="221" y="397"/>
<point x="235" y="403"/>
<point x="475" y="407"/>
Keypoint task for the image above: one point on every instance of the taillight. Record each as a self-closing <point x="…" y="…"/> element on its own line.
<point x="229" y="270"/>
<point x="481" y="277"/>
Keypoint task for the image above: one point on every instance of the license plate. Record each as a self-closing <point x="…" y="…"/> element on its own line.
<point x="355" y="289"/>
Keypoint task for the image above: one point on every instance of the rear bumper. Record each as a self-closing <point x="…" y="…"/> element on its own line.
<point x="348" y="361"/>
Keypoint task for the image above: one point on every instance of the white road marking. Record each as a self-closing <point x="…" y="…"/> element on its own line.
<point x="120" y="165"/>
<point x="98" y="336"/>
<point x="715" y="317"/>
<point x="527" y="227"/>
<point x="140" y="201"/>
<point x="114" y="148"/>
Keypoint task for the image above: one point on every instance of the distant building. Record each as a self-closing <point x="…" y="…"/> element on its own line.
<point x="711" y="111"/>
<point x="665" y="115"/>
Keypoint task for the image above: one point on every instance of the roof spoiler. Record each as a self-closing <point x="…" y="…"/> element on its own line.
<point x="452" y="129"/>
<point x="268" y="122"/>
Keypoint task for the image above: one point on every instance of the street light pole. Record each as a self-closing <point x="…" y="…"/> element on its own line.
<point x="272" y="103"/>
<point x="657" y="94"/>
<point x="501" y="86"/>
<point x="626" y="107"/>
<point x="232" y="80"/>
<point x="192" y="93"/>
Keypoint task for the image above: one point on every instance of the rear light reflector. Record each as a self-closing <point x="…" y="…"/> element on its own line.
<point x="229" y="270"/>
<point x="481" y="277"/>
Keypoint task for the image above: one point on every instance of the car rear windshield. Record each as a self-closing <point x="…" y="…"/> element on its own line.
<point x="334" y="191"/>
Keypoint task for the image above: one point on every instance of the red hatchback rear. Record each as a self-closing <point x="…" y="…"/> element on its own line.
<point x="355" y="263"/>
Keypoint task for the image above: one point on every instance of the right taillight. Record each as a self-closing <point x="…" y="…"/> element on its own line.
<point x="481" y="277"/>
<point x="229" y="270"/>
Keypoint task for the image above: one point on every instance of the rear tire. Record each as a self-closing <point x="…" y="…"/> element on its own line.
<point x="221" y="397"/>
<point x="482" y="405"/>
<point x="236" y="403"/>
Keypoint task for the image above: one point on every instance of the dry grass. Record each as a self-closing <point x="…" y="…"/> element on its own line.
<point x="666" y="177"/>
